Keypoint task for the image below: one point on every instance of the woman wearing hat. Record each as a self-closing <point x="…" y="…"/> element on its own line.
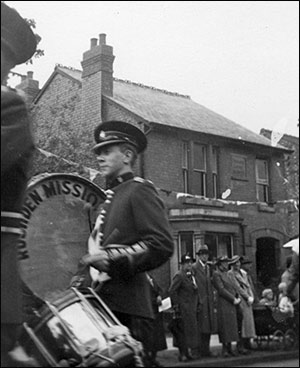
<point x="184" y="297"/>
<point x="226" y="307"/>
<point x="240" y="280"/>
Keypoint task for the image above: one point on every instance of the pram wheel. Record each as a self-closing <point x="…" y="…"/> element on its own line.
<point x="289" y="339"/>
<point x="277" y="340"/>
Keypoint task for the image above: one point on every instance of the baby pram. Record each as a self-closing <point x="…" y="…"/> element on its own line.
<point x="274" y="327"/>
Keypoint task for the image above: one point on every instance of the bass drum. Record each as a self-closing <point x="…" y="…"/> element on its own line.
<point x="79" y="330"/>
<point x="59" y="212"/>
<point x="66" y="327"/>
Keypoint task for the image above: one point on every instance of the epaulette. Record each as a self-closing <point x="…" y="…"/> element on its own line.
<point x="141" y="180"/>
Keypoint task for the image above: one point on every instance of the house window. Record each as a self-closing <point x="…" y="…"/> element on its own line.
<point x="185" y="166"/>
<point x="262" y="180"/>
<point x="214" y="169"/>
<point x="219" y="245"/>
<point x="199" y="169"/>
<point x="186" y="243"/>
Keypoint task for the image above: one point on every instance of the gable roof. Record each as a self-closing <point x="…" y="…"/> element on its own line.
<point x="179" y="111"/>
<point x="170" y="109"/>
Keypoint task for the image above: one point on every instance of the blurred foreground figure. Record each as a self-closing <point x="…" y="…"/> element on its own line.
<point x="18" y="44"/>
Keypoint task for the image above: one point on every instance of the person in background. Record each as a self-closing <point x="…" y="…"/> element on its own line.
<point x="246" y="320"/>
<point x="268" y="298"/>
<point x="285" y="277"/>
<point x="285" y="304"/>
<point x="184" y="296"/>
<point x="132" y="234"/>
<point x="159" y="337"/>
<point x="18" y="44"/>
<point x="228" y="300"/>
<point x="246" y="265"/>
<point x="206" y="317"/>
<point x="293" y="283"/>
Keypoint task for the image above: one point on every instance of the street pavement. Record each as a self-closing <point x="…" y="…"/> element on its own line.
<point x="169" y="357"/>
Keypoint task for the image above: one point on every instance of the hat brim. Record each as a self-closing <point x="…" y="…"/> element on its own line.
<point x="233" y="261"/>
<point x="97" y="148"/>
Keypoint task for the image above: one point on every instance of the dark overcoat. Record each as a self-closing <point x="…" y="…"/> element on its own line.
<point x="136" y="215"/>
<point x="159" y="338"/>
<point x="226" y="310"/>
<point x="16" y="153"/>
<point x="206" y="299"/>
<point x="183" y="293"/>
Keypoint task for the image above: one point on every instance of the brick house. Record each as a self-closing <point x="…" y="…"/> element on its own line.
<point x="223" y="185"/>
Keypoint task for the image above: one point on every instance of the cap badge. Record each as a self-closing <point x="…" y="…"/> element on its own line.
<point x="102" y="134"/>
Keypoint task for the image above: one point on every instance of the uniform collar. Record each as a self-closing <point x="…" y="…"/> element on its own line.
<point x="119" y="180"/>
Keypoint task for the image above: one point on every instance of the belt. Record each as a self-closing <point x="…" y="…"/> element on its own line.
<point x="10" y="222"/>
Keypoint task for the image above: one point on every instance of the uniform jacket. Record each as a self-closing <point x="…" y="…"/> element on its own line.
<point x="16" y="152"/>
<point x="206" y="298"/>
<point x="226" y="310"/>
<point x="136" y="218"/>
<point x="184" y="294"/>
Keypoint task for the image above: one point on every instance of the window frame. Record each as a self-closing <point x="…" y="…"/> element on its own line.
<point x="264" y="183"/>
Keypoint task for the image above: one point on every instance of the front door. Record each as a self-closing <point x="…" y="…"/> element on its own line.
<point x="267" y="261"/>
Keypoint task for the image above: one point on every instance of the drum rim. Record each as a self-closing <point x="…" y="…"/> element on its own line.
<point x="39" y="179"/>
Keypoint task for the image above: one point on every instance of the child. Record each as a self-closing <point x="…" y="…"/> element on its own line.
<point x="285" y="304"/>
<point x="268" y="298"/>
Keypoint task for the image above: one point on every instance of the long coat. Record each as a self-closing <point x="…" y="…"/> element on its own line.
<point x="240" y="280"/>
<point x="136" y="219"/>
<point x="183" y="292"/>
<point x="205" y="298"/>
<point x="226" y="310"/>
<point x="159" y="337"/>
<point x="17" y="148"/>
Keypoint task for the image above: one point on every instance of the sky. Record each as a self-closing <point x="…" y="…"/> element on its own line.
<point x="237" y="58"/>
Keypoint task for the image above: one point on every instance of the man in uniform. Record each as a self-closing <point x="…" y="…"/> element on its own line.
<point x="132" y="233"/>
<point x="18" y="44"/>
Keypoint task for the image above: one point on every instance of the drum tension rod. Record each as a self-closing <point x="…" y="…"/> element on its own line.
<point x="40" y="346"/>
<point x="65" y="327"/>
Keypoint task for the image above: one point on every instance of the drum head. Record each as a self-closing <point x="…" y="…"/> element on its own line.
<point x="59" y="211"/>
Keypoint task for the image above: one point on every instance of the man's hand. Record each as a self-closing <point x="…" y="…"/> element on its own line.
<point x="250" y="300"/>
<point x="99" y="260"/>
<point x="236" y="301"/>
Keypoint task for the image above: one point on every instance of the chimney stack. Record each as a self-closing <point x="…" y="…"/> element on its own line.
<point x="97" y="77"/>
<point x="29" y="86"/>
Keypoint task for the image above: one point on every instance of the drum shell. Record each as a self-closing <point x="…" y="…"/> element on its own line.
<point x="62" y="352"/>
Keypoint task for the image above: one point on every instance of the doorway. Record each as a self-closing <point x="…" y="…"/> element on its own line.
<point x="267" y="261"/>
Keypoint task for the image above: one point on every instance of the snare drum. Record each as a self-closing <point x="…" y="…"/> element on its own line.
<point x="79" y="330"/>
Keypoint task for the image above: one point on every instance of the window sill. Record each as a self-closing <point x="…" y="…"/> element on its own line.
<point x="202" y="201"/>
<point x="264" y="207"/>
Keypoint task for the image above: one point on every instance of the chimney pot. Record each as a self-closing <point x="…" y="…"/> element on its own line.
<point x="30" y="75"/>
<point x="102" y="39"/>
<point x="93" y="42"/>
